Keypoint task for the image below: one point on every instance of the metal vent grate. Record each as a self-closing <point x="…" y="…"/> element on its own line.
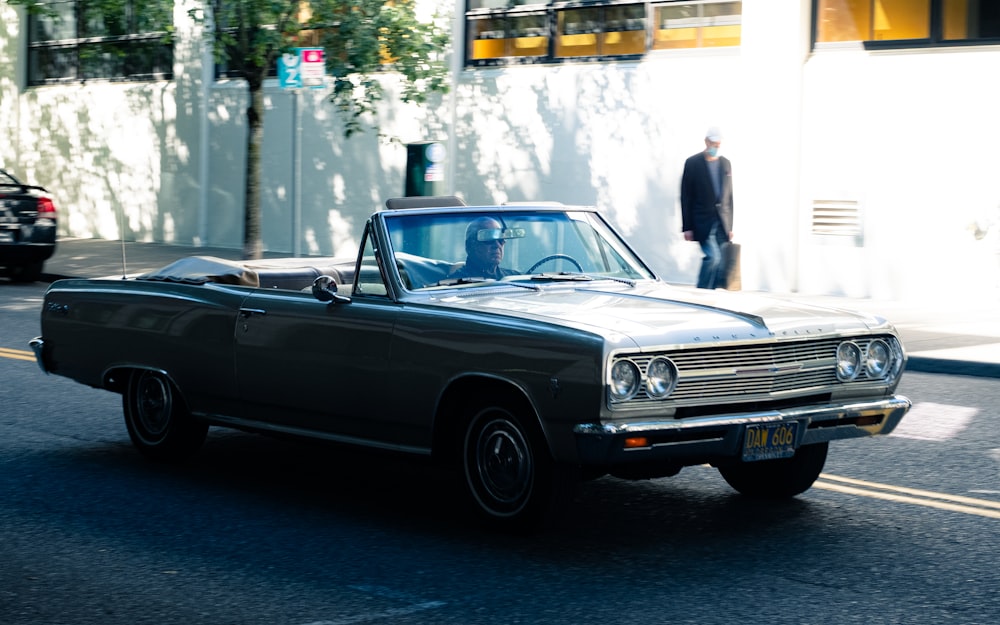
<point x="840" y="218"/>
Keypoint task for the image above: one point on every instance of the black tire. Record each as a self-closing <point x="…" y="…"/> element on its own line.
<point x="508" y="471"/>
<point x="777" y="479"/>
<point x="158" y="421"/>
<point x="29" y="272"/>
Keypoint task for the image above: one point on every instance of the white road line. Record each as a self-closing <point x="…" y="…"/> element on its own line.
<point x="386" y="593"/>
<point x="389" y="613"/>
<point x="928" y="421"/>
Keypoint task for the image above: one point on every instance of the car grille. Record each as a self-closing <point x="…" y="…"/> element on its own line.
<point x="750" y="373"/>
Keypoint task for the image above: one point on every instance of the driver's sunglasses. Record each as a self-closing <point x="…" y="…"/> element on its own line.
<point x="499" y="242"/>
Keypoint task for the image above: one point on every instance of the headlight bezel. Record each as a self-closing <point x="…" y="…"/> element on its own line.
<point x="661" y="383"/>
<point x="880" y="359"/>
<point x="850" y="361"/>
<point x="624" y="379"/>
<point x="897" y="358"/>
<point x="877" y="366"/>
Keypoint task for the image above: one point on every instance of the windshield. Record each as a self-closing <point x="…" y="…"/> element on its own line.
<point x="446" y="249"/>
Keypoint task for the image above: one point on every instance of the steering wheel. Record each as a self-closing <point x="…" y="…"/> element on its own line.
<point x="556" y="257"/>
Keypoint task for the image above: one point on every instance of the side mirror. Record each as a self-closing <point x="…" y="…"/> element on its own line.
<point x="324" y="288"/>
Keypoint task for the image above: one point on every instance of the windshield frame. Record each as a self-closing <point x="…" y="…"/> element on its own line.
<point x="424" y="244"/>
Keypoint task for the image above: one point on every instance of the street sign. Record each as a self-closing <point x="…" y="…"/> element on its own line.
<point x="289" y="71"/>
<point x="305" y="67"/>
<point x="313" y="66"/>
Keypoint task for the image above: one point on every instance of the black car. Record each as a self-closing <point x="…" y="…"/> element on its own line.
<point x="27" y="228"/>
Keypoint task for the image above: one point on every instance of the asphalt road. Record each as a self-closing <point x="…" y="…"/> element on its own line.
<point x="901" y="529"/>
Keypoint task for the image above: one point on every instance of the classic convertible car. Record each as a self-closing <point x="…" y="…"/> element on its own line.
<point x="565" y="358"/>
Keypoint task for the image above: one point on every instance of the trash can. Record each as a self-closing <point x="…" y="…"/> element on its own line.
<point x="424" y="169"/>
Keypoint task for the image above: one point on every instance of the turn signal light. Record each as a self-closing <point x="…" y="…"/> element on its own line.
<point x="636" y="442"/>
<point x="873" y="419"/>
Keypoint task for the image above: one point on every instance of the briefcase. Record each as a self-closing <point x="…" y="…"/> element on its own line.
<point x="731" y="276"/>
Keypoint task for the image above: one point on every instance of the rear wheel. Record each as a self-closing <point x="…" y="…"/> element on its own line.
<point x="509" y="474"/>
<point x="29" y="272"/>
<point x="777" y="479"/>
<point x="157" y="419"/>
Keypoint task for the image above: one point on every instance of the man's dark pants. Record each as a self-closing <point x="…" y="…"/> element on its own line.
<point x="713" y="266"/>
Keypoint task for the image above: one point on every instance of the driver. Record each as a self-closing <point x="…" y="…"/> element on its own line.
<point x="484" y="245"/>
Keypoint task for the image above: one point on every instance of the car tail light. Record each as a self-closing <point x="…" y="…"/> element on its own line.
<point x="46" y="207"/>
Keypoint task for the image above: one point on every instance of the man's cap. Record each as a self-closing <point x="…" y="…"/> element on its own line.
<point x="713" y="134"/>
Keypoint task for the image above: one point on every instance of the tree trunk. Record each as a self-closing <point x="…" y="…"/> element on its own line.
<point x="253" y="246"/>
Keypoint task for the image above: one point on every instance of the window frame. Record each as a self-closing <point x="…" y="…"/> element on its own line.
<point x="114" y="55"/>
<point x="934" y="40"/>
<point x="553" y="9"/>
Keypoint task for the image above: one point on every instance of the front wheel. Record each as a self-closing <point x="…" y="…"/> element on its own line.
<point x="509" y="474"/>
<point x="158" y="422"/>
<point x="777" y="479"/>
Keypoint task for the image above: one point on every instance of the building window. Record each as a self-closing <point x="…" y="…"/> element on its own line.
<point x="498" y="32"/>
<point x="515" y="34"/>
<point x="908" y="23"/>
<point x="615" y="30"/>
<point x="701" y="25"/>
<point x="79" y="40"/>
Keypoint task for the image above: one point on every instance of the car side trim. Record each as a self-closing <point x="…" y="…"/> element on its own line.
<point x="260" y="426"/>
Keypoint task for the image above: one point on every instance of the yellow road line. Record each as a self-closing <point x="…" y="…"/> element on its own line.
<point x="913" y="491"/>
<point x="16" y="354"/>
<point x="901" y="494"/>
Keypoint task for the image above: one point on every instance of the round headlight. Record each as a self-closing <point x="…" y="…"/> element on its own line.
<point x="624" y="380"/>
<point x="848" y="361"/>
<point x="878" y="359"/>
<point x="661" y="377"/>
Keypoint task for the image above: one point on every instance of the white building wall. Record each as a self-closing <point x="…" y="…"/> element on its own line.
<point x="910" y="136"/>
<point x="315" y="182"/>
<point x="616" y="135"/>
<point x="612" y="135"/>
<point x="121" y="159"/>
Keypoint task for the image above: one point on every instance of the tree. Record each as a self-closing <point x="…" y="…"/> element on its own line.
<point x="361" y="38"/>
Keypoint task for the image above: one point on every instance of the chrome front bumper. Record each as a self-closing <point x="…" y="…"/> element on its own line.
<point x="37" y="345"/>
<point x="700" y="439"/>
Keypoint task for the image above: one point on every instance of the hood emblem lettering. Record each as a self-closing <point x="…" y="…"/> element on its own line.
<point x="768" y="370"/>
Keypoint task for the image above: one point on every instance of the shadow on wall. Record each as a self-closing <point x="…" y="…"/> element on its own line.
<point x="131" y="153"/>
<point x="341" y="181"/>
<point x="115" y="151"/>
<point x="517" y="140"/>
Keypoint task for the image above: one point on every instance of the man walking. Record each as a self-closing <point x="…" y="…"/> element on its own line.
<point x="707" y="208"/>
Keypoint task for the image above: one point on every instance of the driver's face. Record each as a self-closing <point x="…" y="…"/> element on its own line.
<point x="488" y="253"/>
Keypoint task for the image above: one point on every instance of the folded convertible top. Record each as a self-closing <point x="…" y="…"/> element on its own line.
<point x="278" y="273"/>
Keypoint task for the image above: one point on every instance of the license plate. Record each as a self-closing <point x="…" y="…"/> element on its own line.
<point x="770" y="441"/>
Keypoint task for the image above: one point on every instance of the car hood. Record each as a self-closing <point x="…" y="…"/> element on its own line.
<point x="655" y="313"/>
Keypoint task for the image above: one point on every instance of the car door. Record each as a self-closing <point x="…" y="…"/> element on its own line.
<point x="302" y="363"/>
<point x="320" y="366"/>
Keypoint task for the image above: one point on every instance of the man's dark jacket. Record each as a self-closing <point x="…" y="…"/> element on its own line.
<point x="699" y="204"/>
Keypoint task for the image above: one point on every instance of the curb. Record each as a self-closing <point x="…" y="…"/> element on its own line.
<point x="948" y="366"/>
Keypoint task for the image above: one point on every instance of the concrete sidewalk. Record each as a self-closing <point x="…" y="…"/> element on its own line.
<point x="940" y="336"/>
